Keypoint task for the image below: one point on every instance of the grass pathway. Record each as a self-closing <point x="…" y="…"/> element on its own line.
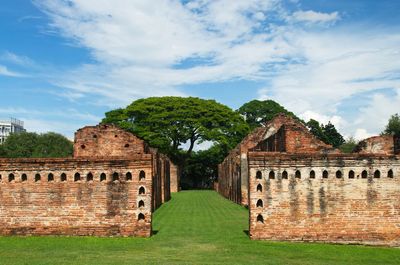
<point x="195" y="227"/>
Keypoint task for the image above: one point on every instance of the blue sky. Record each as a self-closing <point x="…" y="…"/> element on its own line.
<point x="64" y="63"/>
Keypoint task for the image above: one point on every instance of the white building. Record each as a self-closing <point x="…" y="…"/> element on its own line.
<point x="10" y="126"/>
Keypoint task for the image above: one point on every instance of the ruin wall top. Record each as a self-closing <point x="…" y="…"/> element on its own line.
<point x="107" y="141"/>
<point x="384" y="144"/>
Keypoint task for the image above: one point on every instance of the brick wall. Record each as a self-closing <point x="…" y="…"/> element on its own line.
<point x="282" y="134"/>
<point x="175" y="178"/>
<point x="383" y="145"/>
<point x="229" y="177"/>
<point x="98" y="192"/>
<point x="396" y="140"/>
<point x="161" y="179"/>
<point x="107" y="141"/>
<point x="111" y="141"/>
<point x="357" y="200"/>
<point x="38" y="199"/>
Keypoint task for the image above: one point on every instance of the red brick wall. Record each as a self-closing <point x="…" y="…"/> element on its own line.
<point x="161" y="179"/>
<point x="175" y="177"/>
<point x="384" y="145"/>
<point x="107" y="141"/>
<point x="396" y="140"/>
<point x="83" y="207"/>
<point x="229" y="177"/>
<point x="111" y="141"/>
<point x="341" y="210"/>
<point x="283" y="134"/>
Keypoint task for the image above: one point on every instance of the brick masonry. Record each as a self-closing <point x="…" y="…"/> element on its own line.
<point x="37" y="198"/>
<point x="301" y="189"/>
<point x="282" y="134"/>
<point x="109" y="188"/>
<point x="357" y="200"/>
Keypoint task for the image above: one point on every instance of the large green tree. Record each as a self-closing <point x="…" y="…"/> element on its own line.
<point x="176" y="124"/>
<point x="259" y="112"/>
<point x="28" y="144"/>
<point x="393" y="126"/>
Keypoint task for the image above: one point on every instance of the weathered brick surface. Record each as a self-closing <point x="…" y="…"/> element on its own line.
<point x="383" y="145"/>
<point x="75" y="207"/>
<point x="301" y="189"/>
<point x="396" y="140"/>
<point x="175" y="179"/>
<point x="112" y="141"/>
<point x="282" y="134"/>
<point x="114" y="167"/>
<point x="107" y="141"/>
<point x="342" y="208"/>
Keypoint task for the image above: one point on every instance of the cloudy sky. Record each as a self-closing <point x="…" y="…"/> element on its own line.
<point x="63" y="63"/>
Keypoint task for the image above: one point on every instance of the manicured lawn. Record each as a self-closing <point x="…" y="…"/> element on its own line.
<point x="195" y="227"/>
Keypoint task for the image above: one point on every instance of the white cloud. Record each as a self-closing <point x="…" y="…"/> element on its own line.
<point x="16" y="59"/>
<point x="315" y="17"/>
<point x="141" y="50"/>
<point x="337" y="66"/>
<point x="45" y="125"/>
<point x="375" y="115"/>
<point x="65" y="121"/>
<point x="336" y="120"/>
<point x="4" y="71"/>
<point x="361" y="134"/>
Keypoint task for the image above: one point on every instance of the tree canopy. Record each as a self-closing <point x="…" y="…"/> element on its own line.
<point x="257" y="112"/>
<point x="326" y="133"/>
<point x="28" y="144"/>
<point x="393" y="126"/>
<point x="176" y="124"/>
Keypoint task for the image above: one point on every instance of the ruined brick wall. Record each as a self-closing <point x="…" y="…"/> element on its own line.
<point x="112" y="141"/>
<point x="107" y="140"/>
<point x="285" y="134"/>
<point x="233" y="172"/>
<point x="229" y="177"/>
<point x="102" y="196"/>
<point x="174" y="178"/>
<point x="383" y="145"/>
<point x="396" y="140"/>
<point x="161" y="178"/>
<point x="325" y="198"/>
<point x="282" y="134"/>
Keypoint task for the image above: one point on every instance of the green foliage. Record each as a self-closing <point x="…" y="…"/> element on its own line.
<point x="326" y="133"/>
<point x="169" y="123"/>
<point x="53" y="145"/>
<point x="316" y="129"/>
<point x="195" y="227"/>
<point x="257" y="112"/>
<point x="333" y="137"/>
<point x="202" y="168"/>
<point x="349" y="145"/>
<point x="393" y="126"/>
<point x="27" y="144"/>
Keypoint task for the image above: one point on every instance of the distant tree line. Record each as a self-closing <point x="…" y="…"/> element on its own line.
<point x="176" y="125"/>
<point x="29" y="144"/>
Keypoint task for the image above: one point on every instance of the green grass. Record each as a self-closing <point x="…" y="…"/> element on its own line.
<point x="195" y="227"/>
